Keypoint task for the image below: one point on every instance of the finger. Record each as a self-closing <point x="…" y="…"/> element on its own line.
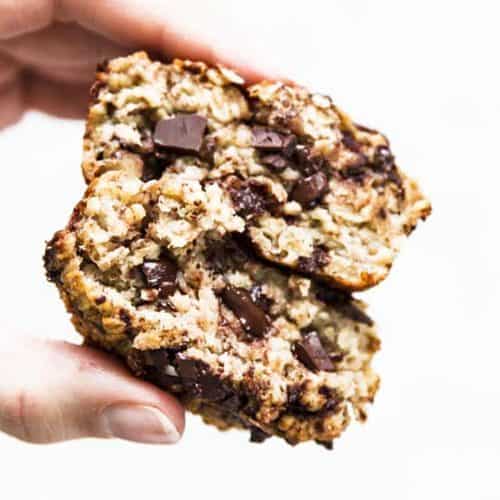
<point x="80" y="75"/>
<point x="127" y="22"/>
<point x="61" y="45"/>
<point x="11" y="103"/>
<point x="56" y="391"/>
<point x="64" y="100"/>
<point x="22" y="16"/>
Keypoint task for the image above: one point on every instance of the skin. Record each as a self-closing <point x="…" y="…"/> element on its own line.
<point x="55" y="391"/>
<point x="49" y="49"/>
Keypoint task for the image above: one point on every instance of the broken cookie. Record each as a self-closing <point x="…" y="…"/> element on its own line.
<point x="219" y="240"/>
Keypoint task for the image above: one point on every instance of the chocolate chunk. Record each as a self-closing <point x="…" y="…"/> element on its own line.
<point x="252" y="318"/>
<point x="168" y="382"/>
<point x="187" y="368"/>
<point x="309" y="190"/>
<point x="200" y="382"/>
<point x="319" y="259"/>
<point x="275" y="161"/>
<point x="350" y="142"/>
<point x="312" y="354"/>
<point x="326" y="444"/>
<point x="332" y="398"/>
<point x="152" y="169"/>
<point x="161" y="274"/>
<point x="383" y="158"/>
<point x="357" y="170"/>
<point x="258" y="435"/>
<point x="251" y="198"/>
<point x="307" y="162"/>
<point x="383" y="162"/>
<point x="181" y="134"/>
<point x="267" y="140"/>
<point x="50" y="260"/>
<point x="212" y="388"/>
<point x="158" y="358"/>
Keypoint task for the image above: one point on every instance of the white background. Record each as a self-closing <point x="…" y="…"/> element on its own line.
<point x="427" y="74"/>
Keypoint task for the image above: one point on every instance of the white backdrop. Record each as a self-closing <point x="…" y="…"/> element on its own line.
<point x="427" y="74"/>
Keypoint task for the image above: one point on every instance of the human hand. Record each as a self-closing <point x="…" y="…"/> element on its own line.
<point x="48" y="52"/>
<point x="49" y="48"/>
<point x="55" y="391"/>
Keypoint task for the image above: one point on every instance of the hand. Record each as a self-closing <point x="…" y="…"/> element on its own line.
<point x="49" y="49"/>
<point x="55" y="391"/>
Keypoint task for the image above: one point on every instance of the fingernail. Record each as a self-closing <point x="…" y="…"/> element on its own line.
<point x="142" y="424"/>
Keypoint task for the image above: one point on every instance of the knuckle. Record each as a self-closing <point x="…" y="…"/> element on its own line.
<point x="17" y="411"/>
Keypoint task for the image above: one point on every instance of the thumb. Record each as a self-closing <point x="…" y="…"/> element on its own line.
<point x="55" y="391"/>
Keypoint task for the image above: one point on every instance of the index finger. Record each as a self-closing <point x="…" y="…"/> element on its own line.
<point x="132" y="23"/>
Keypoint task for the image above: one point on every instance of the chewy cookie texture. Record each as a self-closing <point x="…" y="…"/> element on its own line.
<point x="221" y="235"/>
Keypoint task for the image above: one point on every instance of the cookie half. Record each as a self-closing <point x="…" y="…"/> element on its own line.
<point x="317" y="194"/>
<point x="161" y="273"/>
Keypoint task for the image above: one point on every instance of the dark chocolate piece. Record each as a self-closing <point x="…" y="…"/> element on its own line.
<point x="312" y="354"/>
<point x="198" y="380"/>
<point x="318" y="260"/>
<point x="258" y="435"/>
<point x="309" y="190"/>
<point x="251" y="198"/>
<point x="182" y="134"/>
<point x="383" y="158"/>
<point x="275" y="161"/>
<point x="50" y="260"/>
<point x="326" y="444"/>
<point x="161" y="274"/>
<point x="350" y="142"/>
<point x="269" y="140"/>
<point x="252" y="318"/>
<point x="307" y="162"/>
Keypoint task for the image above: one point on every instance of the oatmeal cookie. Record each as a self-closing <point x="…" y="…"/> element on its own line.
<point x="161" y="274"/>
<point x="222" y="232"/>
<point x="318" y="194"/>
